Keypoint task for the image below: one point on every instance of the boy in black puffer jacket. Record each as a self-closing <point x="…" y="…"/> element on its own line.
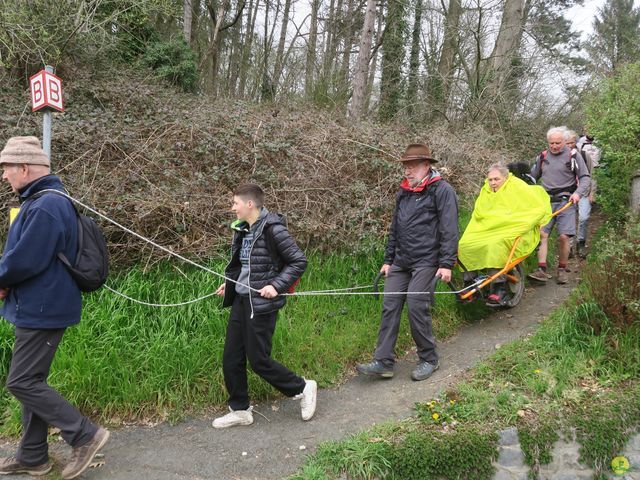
<point x="256" y="278"/>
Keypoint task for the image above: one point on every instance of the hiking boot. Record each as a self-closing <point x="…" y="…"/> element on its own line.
<point x="563" y="276"/>
<point x="424" y="370"/>
<point x="581" y="248"/>
<point x="308" y="399"/>
<point x="12" y="466"/>
<point x="376" y="367"/>
<point x="234" y="418"/>
<point x="81" y="457"/>
<point x="538" y="275"/>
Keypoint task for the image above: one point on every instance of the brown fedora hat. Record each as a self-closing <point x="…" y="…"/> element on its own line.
<point x="417" y="151"/>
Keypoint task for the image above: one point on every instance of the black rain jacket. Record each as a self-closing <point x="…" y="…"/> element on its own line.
<point x="264" y="269"/>
<point x="424" y="228"/>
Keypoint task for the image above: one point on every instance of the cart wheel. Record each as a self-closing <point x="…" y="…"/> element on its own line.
<point x="515" y="290"/>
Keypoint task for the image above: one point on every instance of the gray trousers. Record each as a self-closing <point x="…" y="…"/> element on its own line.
<point x="42" y="406"/>
<point x="407" y="280"/>
<point x="584" y="212"/>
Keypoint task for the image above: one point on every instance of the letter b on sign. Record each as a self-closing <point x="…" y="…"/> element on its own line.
<point x="46" y="91"/>
<point x="54" y="91"/>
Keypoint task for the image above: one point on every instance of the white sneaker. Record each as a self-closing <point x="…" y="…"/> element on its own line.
<point x="308" y="399"/>
<point x="234" y="418"/>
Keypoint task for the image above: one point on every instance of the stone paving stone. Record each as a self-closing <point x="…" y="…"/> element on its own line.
<point x="511" y="457"/>
<point x="505" y="474"/>
<point x="509" y="437"/>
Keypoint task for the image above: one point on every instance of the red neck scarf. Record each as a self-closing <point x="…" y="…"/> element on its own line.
<point x="431" y="178"/>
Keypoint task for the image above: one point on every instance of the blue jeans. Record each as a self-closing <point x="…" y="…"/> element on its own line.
<point x="584" y="212"/>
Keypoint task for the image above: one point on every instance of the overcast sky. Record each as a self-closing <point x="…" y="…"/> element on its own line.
<point x="582" y="16"/>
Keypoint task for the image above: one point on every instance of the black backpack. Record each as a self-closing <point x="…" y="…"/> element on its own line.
<point x="90" y="268"/>
<point x="521" y="170"/>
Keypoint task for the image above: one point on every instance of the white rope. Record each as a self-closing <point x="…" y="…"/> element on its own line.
<point x="151" y="242"/>
<point x="158" y="305"/>
<point x="321" y="292"/>
<point x="328" y="292"/>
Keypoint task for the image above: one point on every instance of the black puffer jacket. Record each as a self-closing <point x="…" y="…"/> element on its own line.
<point x="424" y="229"/>
<point x="263" y="268"/>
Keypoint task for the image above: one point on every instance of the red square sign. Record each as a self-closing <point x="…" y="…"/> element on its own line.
<point x="46" y="91"/>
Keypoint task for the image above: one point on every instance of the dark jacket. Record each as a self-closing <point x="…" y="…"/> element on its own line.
<point x="264" y="270"/>
<point x="42" y="295"/>
<point x="424" y="228"/>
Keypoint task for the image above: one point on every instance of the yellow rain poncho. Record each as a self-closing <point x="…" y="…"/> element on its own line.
<point x="516" y="209"/>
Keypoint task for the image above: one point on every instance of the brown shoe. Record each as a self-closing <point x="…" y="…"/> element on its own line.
<point x="563" y="276"/>
<point x="538" y="275"/>
<point x="12" y="466"/>
<point x="82" y="456"/>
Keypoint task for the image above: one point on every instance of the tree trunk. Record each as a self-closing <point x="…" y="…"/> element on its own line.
<point x="374" y="60"/>
<point x="441" y="85"/>
<point x="196" y="11"/>
<point x="392" y="60"/>
<point x="248" y="44"/>
<point x="329" y="50"/>
<point x="277" y="71"/>
<point x="414" y="58"/>
<point x="217" y="17"/>
<point x="348" y="45"/>
<point x="506" y="47"/>
<point x="310" y="67"/>
<point x="235" y="60"/>
<point x="356" y="109"/>
<point x="186" y="24"/>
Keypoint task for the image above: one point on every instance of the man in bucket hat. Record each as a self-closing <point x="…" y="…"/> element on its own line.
<point x="422" y="246"/>
<point x="41" y="299"/>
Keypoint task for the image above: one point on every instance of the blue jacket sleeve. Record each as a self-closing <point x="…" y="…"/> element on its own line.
<point x="41" y="238"/>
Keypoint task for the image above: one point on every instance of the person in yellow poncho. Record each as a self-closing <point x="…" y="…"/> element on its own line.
<point x="507" y="208"/>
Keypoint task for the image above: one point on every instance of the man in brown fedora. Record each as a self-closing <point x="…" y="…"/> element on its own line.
<point x="41" y="299"/>
<point x="422" y="246"/>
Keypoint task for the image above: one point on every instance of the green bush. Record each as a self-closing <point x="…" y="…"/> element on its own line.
<point x="613" y="278"/>
<point x="173" y="62"/>
<point x="613" y="117"/>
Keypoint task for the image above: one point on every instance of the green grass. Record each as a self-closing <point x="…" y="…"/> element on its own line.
<point x="579" y="372"/>
<point x="130" y="362"/>
<point x="566" y="376"/>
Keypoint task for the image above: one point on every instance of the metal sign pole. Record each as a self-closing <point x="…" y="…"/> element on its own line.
<point x="46" y="124"/>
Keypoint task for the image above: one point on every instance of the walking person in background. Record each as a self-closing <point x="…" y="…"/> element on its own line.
<point x="265" y="263"/>
<point x="591" y="155"/>
<point x="41" y="299"/>
<point x="565" y="178"/>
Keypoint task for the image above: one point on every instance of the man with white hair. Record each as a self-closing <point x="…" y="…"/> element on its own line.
<point x="564" y="175"/>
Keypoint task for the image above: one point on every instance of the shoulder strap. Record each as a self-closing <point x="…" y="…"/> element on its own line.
<point x="63" y="258"/>
<point x="574" y="163"/>
<point x="42" y="193"/>
<point x="541" y="158"/>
